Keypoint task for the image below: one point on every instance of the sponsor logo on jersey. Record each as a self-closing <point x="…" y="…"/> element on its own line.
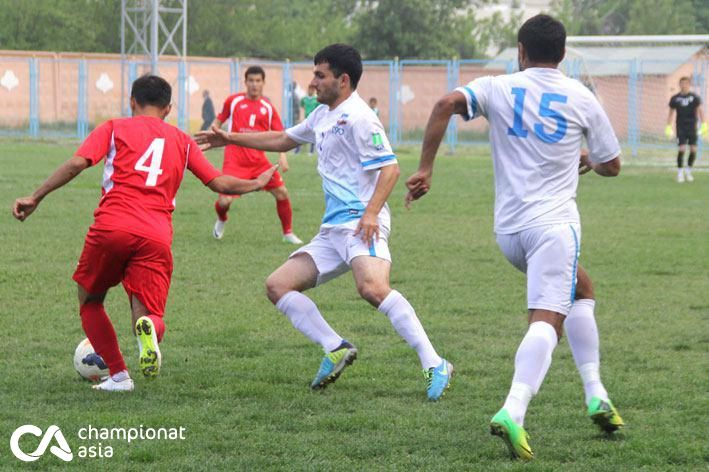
<point x="263" y="110"/>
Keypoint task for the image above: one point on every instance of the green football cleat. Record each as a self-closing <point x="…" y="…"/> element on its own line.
<point x="514" y="435"/>
<point x="333" y="364"/>
<point x="604" y="414"/>
<point x="150" y="356"/>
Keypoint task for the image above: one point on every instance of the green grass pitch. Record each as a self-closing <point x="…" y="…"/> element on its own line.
<point x="235" y="373"/>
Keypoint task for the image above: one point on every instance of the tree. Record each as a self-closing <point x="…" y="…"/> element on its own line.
<point x="60" y="25"/>
<point x="662" y="17"/>
<point x="415" y="29"/>
<point x="643" y="17"/>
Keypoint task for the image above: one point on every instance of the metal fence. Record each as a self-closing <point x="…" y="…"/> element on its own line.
<point x="66" y="97"/>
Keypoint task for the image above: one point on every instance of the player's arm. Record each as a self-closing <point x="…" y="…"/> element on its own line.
<point x="275" y="141"/>
<point x="283" y="162"/>
<point x="368" y="225"/>
<point x="700" y="120"/>
<point x="217" y="123"/>
<point x="606" y="169"/>
<point x="420" y="182"/>
<point x="668" y="127"/>
<point x="228" y="185"/>
<point x="24" y="206"/>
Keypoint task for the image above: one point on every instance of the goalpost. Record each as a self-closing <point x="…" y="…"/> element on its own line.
<point x="634" y="78"/>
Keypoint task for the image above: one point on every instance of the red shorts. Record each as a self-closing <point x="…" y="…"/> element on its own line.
<point x="143" y="265"/>
<point x="237" y="167"/>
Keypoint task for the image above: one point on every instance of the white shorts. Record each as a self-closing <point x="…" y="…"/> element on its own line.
<point x="549" y="256"/>
<point x="334" y="247"/>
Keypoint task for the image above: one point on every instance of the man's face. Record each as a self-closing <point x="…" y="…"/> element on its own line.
<point x="327" y="86"/>
<point x="684" y="86"/>
<point x="254" y="85"/>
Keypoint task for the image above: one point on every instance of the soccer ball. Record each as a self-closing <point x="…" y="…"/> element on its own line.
<point x="87" y="363"/>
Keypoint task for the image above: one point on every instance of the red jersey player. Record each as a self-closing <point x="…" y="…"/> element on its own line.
<point x="246" y="113"/>
<point x="129" y="242"/>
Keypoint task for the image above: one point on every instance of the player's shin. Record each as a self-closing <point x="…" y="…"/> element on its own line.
<point x="403" y="317"/>
<point x="306" y="318"/>
<point x="99" y="330"/>
<point x="582" y="333"/>
<point x="531" y="365"/>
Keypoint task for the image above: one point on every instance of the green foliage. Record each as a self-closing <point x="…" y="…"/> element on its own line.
<point x="60" y="25"/>
<point x="235" y="372"/>
<point x="415" y="29"/>
<point x="269" y="29"/>
<point x="662" y="17"/>
<point x="640" y="17"/>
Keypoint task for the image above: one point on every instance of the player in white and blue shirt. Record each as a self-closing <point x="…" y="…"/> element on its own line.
<point x="359" y="171"/>
<point x="538" y="121"/>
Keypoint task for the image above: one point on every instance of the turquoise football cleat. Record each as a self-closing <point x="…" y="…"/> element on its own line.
<point x="333" y="364"/>
<point x="438" y="380"/>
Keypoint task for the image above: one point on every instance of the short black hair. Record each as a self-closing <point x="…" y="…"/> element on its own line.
<point x="255" y="70"/>
<point x="684" y="78"/>
<point x="543" y="38"/>
<point x="342" y="59"/>
<point x="151" y="90"/>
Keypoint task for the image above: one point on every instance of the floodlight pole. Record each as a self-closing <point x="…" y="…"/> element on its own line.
<point x="144" y="23"/>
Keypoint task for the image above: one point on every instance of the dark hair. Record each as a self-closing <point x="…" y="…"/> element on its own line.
<point x="342" y="59"/>
<point x="255" y="70"/>
<point x="684" y="78"/>
<point x="151" y="90"/>
<point x="543" y="38"/>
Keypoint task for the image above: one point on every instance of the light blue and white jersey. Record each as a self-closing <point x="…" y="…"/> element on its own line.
<point x="352" y="147"/>
<point x="538" y="120"/>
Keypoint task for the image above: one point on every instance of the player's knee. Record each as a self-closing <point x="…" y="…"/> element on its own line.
<point x="275" y="289"/>
<point x="373" y="292"/>
<point x="281" y="193"/>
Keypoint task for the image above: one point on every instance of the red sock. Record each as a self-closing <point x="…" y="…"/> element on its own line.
<point x="221" y="212"/>
<point x="159" y="326"/>
<point x="99" y="330"/>
<point x="285" y="213"/>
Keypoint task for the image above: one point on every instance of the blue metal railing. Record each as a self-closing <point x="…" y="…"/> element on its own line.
<point x="632" y="76"/>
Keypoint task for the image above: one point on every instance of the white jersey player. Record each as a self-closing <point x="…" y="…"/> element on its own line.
<point x="359" y="171"/>
<point x="538" y="121"/>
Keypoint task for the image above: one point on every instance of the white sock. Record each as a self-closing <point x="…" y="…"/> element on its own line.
<point x="582" y="332"/>
<point x="531" y="364"/>
<point x="306" y="318"/>
<point x="120" y="376"/>
<point x="406" y="323"/>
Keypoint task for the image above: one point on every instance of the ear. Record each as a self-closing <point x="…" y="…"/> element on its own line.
<point x="521" y="55"/>
<point x="133" y="105"/>
<point x="166" y="111"/>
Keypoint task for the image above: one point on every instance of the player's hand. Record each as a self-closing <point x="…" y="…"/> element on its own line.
<point x="418" y="184"/>
<point x="668" y="131"/>
<point x="702" y="129"/>
<point x="214" y="138"/>
<point x="584" y="162"/>
<point x="263" y="179"/>
<point x="283" y="163"/>
<point x="24" y="207"/>
<point x="368" y="227"/>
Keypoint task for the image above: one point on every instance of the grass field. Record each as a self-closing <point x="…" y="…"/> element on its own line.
<point x="235" y="373"/>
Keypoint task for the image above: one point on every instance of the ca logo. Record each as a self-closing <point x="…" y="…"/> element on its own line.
<point x="63" y="451"/>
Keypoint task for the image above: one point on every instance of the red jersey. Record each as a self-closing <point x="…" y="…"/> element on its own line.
<point x="145" y="161"/>
<point x="243" y="115"/>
